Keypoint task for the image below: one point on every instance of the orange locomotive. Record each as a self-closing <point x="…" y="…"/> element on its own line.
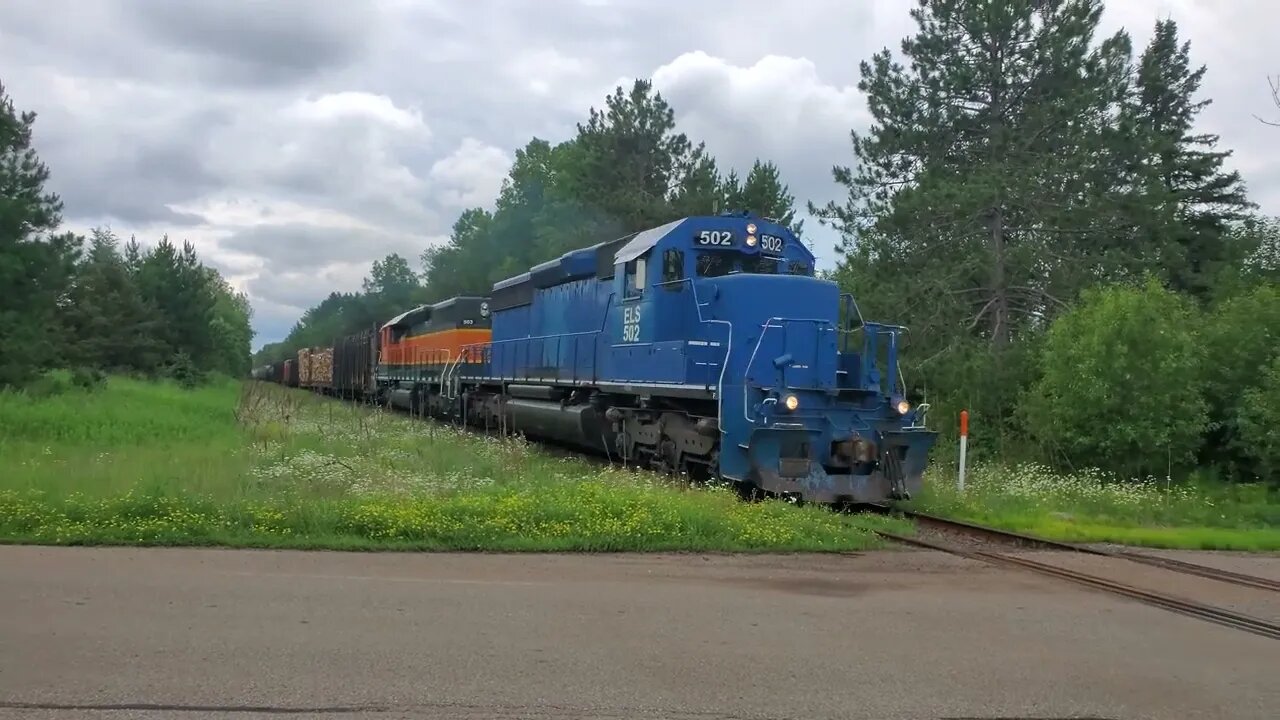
<point x="421" y="343"/>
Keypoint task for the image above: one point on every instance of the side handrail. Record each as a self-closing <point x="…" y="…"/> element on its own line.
<point x="446" y="382"/>
<point x="724" y="365"/>
<point x="604" y="319"/>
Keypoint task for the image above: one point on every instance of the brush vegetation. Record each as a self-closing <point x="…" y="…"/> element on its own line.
<point x="260" y="465"/>
<point x="1095" y="506"/>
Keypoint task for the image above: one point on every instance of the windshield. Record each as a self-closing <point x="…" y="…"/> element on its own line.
<point x="715" y="264"/>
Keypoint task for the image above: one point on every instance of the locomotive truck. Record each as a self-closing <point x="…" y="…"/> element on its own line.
<point x="706" y="346"/>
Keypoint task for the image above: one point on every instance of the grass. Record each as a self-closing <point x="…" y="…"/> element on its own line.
<point x="1091" y="506"/>
<point x="262" y="466"/>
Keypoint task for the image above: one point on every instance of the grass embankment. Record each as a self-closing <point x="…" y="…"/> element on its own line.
<point x="259" y="465"/>
<point x="1093" y="507"/>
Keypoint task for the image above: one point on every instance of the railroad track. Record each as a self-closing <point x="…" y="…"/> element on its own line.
<point x="1008" y="536"/>
<point x="1191" y="608"/>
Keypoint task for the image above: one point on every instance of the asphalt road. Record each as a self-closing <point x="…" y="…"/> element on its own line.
<point x="111" y="633"/>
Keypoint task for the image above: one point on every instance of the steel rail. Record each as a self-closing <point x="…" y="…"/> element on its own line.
<point x="1181" y="566"/>
<point x="1190" y="608"/>
<point x="1206" y="571"/>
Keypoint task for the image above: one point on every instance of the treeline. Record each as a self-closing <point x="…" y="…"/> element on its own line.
<point x="626" y="169"/>
<point x="1077" y="267"/>
<point x="391" y="288"/>
<point x="93" y="307"/>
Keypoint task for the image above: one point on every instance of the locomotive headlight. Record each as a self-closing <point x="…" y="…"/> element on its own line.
<point x="751" y="240"/>
<point x="903" y="407"/>
<point x="751" y="228"/>
<point x="792" y="402"/>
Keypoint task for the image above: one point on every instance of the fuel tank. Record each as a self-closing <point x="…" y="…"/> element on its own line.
<point x="578" y="425"/>
<point x="401" y="398"/>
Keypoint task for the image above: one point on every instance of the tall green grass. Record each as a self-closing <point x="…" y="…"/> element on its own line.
<point x="1091" y="506"/>
<point x="127" y="435"/>
<point x="258" y="465"/>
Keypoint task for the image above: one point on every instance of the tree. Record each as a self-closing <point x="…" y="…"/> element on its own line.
<point x="1260" y="244"/>
<point x="1275" y="98"/>
<point x="391" y="276"/>
<point x="1242" y="337"/>
<point x="36" y="265"/>
<point x="1257" y="420"/>
<point x="701" y="191"/>
<point x="985" y="153"/>
<point x="525" y="227"/>
<point x="627" y="162"/>
<point x="764" y="194"/>
<point x="109" y="324"/>
<point x="625" y="170"/>
<point x="230" y="327"/>
<point x="1121" y="385"/>
<point x="1190" y="198"/>
<point x="392" y="287"/>
<point x="177" y="284"/>
<point x="984" y="195"/>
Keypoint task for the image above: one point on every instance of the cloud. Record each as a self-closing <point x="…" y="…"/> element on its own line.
<point x="297" y="247"/>
<point x="246" y="42"/>
<point x="346" y="151"/>
<point x="295" y="142"/>
<point x="298" y="289"/>
<point x="778" y="109"/>
<point x="472" y="175"/>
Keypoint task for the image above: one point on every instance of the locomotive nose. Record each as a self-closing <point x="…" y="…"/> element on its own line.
<point x="856" y="449"/>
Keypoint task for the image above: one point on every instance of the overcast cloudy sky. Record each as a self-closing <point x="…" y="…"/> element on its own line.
<point x="295" y="142"/>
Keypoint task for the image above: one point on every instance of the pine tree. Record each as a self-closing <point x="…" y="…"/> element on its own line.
<point x="764" y="194"/>
<point x="701" y="191"/>
<point x="110" y="326"/>
<point x="36" y="265"/>
<point x="177" y="285"/>
<point x="627" y="163"/>
<point x="984" y="196"/>
<point x="984" y="157"/>
<point x="1191" y="198"/>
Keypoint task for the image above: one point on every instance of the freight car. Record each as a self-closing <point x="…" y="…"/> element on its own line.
<point x="355" y="359"/>
<point x="705" y="346"/>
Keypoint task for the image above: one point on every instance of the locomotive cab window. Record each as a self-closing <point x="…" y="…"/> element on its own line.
<point x="760" y="264"/>
<point x="716" y="264"/>
<point x="633" y="279"/>
<point x="672" y="265"/>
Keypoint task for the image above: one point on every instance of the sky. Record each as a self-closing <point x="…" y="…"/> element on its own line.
<point x="294" y="142"/>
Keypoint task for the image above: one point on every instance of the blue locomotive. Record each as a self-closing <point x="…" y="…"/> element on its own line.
<point x="705" y="346"/>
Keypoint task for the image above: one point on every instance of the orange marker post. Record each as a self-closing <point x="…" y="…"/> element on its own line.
<point x="964" y="442"/>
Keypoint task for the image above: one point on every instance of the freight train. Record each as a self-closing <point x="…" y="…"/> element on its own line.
<point x="706" y="346"/>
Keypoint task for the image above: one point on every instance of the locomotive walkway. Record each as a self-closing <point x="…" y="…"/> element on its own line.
<point x="109" y="633"/>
